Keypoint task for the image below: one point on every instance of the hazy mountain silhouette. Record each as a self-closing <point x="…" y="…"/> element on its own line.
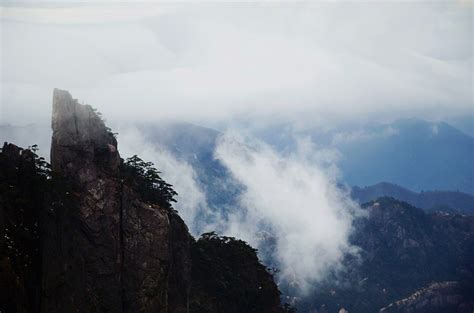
<point x="447" y="201"/>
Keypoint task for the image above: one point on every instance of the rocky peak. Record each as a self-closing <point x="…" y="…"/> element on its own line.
<point x="88" y="237"/>
<point x="109" y="249"/>
<point x="81" y="141"/>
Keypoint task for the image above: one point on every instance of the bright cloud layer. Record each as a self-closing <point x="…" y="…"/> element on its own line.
<point x="209" y="61"/>
<point x="296" y="197"/>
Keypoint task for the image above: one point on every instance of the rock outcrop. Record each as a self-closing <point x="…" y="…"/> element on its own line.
<point x="21" y="203"/>
<point x="402" y="250"/>
<point x="107" y="250"/>
<point x="239" y="282"/>
<point x="441" y="297"/>
<point x="98" y="234"/>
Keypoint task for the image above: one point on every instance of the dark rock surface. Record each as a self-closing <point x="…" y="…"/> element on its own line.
<point x="402" y="249"/>
<point x="233" y="264"/>
<point x="118" y="255"/>
<point x="440" y="297"/>
<point x="89" y="237"/>
<point x="21" y="201"/>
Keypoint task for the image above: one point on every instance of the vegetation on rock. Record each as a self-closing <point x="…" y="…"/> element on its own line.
<point x="228" y="277"/>
<point x="149" y="182"/>
<point x="23" y="184"/>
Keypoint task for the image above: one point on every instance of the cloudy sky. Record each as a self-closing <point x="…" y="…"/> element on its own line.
<point x="207" y="62"/>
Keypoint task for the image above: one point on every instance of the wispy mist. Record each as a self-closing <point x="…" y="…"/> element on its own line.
<point x="295" y="196"/>
<point x="290" y="208"/>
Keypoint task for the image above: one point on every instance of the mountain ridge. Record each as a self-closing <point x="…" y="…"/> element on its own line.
<point x="436" y="153"/>
<point x="403" y="249"/>
<point x="447" y="201"/>
<point x="97" y="233"/>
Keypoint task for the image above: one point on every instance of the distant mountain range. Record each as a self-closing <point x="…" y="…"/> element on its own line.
<point x="403" y="252"/>
<point x="416" y="154"/>
<point x="409" y="257"/>
<point x="430" y="201"/>
<point x="413" y="153"/>
<point x="432" y="159"/>
<point x="404" y="248"/>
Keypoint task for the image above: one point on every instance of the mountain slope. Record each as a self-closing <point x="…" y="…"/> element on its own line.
<point x="441" y="297"/>
<point x="402" y="249"/>
<point x="448" y="201"/>
<point x="99" y="234"/>
<point x="416" y="154"/>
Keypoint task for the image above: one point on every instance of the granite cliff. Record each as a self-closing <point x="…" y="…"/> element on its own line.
<point x="96" y="233"/>
<point x="122" y="252"/>
<point x="105" y="236"/>
<point x="22" y="190"/>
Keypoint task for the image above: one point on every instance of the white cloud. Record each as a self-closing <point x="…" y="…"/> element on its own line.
<point x="297" y="198"/>
<point x="215" y="61"/>
<point x="363" y="135"/>
<point x="94" y="12"/>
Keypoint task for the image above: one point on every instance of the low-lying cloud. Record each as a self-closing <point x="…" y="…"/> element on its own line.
<point x="295" y="196"/>
<point x="290" y="208"/>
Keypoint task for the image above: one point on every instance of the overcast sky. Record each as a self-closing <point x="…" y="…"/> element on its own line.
<point x="208" y="62"/>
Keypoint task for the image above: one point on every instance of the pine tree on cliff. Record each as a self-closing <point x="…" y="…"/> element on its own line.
<point x="149" y="182"/>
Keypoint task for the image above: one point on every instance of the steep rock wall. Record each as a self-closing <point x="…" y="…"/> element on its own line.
<point x="106" y="249"/>
<point x="93" y="236"/>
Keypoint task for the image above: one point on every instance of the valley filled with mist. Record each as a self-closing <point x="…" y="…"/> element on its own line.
<point x="240" y="157"/>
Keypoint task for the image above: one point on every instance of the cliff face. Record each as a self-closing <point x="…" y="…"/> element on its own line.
<point x="106" y="248"/>
<point x="239" y="282"/>
<point x="98" y="234"/>
<point x="89" y="237"/>
<point x="21" y="201"/>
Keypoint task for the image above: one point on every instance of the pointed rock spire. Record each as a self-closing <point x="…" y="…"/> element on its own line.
<point x="81" y="141"/>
